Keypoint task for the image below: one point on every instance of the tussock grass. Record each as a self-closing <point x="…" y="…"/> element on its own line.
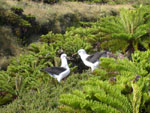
<point x="8" y="46"/>
<point x="4" y="62"/>
<point x="8" y="40"/>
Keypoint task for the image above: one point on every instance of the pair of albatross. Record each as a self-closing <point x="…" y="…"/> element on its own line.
<point x="61" y="72"/>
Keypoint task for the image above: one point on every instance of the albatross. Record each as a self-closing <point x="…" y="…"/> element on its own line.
<point x="59" y="72"/>
<point x="92" y="60"/>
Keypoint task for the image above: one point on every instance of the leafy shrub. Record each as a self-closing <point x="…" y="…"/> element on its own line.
<point x="129" y="29"/>
<point x="23" y="25"/>
<point x="89" y="31"/>
<point x="11" y="18"/>
<point x="51" y="37"/>
<point x="72" y="45"/>
<point x="96" y="96"/>
<point x="126" y="74"/>
<point x="69" y="43"/>
<point x="17" y="10"/>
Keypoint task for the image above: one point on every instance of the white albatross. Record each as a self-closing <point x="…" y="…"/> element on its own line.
<point x="91" y="61"/>
<point x="59" y="72"/>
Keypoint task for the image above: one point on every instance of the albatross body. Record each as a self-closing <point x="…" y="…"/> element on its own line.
<point x="59" y="72"/>
<point x="91" y="61"/>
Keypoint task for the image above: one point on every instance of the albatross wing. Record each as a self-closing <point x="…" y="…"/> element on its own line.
<point x="54" y="70"/>
<point x="95" y="57"/>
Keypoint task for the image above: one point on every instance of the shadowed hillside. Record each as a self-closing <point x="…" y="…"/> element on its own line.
<point x="8" y="46"/>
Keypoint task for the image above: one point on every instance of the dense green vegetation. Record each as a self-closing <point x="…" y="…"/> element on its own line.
<point x="131" y="29"/>
<point x="122" y="79"/>
<point x="120" y="85"/>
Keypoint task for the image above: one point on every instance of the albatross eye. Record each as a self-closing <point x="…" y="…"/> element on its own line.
<point x="64" y="55"/>
<point x="79" y="51"/>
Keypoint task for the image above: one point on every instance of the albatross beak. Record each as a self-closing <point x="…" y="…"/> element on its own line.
<point x="75" y="54"/>
<point x="69" y="58"/>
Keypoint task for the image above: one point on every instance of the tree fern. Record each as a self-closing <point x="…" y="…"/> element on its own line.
<point x="130" y="28"/>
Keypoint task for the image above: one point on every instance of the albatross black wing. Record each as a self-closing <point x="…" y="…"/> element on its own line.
<point x="95" y="57"/>
<point x="54" y="70"/>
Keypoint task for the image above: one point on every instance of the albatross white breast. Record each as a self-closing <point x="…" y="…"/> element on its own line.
<point x="59" y="72"/>
<point x="91" y="61"/>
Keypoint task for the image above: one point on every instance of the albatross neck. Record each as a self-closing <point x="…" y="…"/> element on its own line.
<point x="84" y="56"/>
<point x="64" y="63"/>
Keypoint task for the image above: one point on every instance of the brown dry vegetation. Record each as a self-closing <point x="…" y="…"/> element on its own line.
<point x="59" y="16"/>
<point x="44" y="12"/>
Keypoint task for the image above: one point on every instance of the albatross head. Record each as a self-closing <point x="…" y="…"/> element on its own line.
<point x="64" y="62"/>
<point x="63" y="56"/>
<point x="81" y="52"/>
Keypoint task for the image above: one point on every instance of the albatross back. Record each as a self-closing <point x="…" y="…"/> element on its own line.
<point x="95" y="57"/>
